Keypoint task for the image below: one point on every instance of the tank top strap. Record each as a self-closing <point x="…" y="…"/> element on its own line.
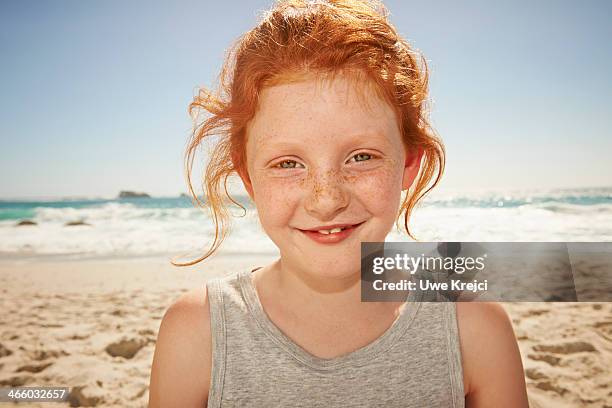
<point x="454" y="353"/>
<point x="225" y="301"/>
<point x="218" y="335"/>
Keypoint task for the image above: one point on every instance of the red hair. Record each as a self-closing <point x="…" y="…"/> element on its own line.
<point x="296" y="38"/>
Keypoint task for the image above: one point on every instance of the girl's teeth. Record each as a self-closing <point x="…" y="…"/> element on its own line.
<point x="331" y="231"/>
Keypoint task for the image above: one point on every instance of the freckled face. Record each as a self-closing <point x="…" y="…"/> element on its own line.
<point x="322" y="152"/>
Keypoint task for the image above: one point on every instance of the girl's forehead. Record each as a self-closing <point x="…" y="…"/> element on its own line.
<point x="355" y="90"/>
<point x="324" y="105"/>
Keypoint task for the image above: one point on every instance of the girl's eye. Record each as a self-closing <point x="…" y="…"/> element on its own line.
<point x="362" y="155"/>
<point x="286" y="164"/>
<point x="292" y="164"/>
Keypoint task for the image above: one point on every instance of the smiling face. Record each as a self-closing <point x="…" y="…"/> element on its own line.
<point x="322" y="152"/>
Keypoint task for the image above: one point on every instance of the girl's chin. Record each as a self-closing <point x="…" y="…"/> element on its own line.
<point x="324" y="265"/>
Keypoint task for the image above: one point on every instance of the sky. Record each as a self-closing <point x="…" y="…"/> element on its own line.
<point x="94" y="94"/>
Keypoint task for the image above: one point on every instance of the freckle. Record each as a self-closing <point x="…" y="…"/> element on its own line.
<point x="349" y="179"/>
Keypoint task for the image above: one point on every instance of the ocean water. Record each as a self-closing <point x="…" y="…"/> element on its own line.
<point x="173" y="226"/>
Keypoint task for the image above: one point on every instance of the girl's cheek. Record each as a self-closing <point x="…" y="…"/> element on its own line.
<point x="380" y="194"/>
<point x="382" y="181"/>
<point x="275" y="197"/>
<point x="279" y="187"/>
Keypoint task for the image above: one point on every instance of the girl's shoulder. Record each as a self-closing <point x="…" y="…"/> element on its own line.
<point x="492" y="367"/>
<point x="180" y="374"/>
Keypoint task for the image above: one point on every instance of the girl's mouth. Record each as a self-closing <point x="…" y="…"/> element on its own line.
<point x="332" y="236"/>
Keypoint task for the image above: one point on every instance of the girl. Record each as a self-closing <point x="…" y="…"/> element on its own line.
<point x="322" y="116"/>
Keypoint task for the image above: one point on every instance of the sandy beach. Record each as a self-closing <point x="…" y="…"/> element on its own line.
<point x="91" y="325"/>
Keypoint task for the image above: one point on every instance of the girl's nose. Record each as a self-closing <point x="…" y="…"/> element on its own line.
<point x="327" y="197"/>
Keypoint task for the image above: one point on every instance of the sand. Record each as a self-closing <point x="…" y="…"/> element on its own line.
<point x="91" y="325"/>
<point x="567" y="352"/>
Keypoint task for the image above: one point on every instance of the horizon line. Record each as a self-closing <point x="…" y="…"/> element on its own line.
<point x="243" y="194"/>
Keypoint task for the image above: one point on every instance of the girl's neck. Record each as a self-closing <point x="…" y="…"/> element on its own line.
<point x="316" y="296"/>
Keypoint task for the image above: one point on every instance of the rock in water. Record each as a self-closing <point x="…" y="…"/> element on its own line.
<point x="24" y="223"/>
<point x="76" y="223"/>
<point x="133" y="194"/>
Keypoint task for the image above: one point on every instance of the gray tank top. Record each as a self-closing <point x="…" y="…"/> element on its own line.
<point x="416" y="363"/>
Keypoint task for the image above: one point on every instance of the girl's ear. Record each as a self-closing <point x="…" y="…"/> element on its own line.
<point x="411" y="166"/>
<point x="244" y="174"/>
